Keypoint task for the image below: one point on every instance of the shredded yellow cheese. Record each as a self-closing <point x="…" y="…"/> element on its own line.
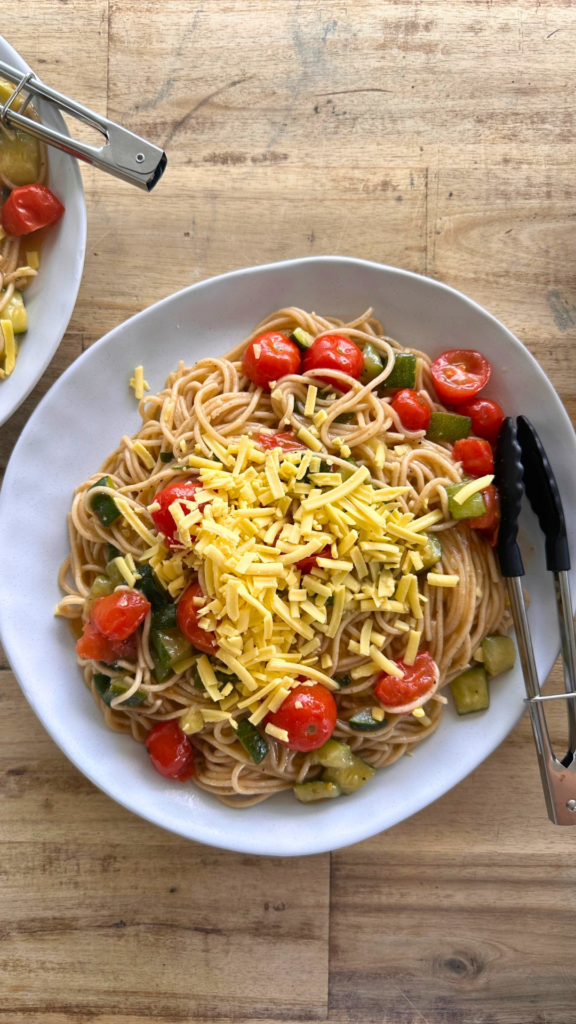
<point x="138" y="383"/>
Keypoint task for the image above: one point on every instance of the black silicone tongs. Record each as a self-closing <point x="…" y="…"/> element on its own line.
<point x="521" y="459"/>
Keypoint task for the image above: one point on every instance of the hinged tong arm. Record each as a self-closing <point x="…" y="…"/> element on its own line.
<point x="514" y="462"/>
<point x="125" y="155"/>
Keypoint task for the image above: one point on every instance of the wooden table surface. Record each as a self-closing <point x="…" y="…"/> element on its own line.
<point x="437" y="136"/>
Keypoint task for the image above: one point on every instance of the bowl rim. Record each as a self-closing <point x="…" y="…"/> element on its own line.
<point x="202" y="832"/>
<point x="12" y="406"/>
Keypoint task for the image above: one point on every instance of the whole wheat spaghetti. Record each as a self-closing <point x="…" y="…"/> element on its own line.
<point x="311" y="562"/>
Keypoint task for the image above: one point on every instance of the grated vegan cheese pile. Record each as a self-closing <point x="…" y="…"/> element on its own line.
<point x="257" y="515"/>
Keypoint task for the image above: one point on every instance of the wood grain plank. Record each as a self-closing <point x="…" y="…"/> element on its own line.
<point x="463" y="913"/>
<point x="120" y="916"/>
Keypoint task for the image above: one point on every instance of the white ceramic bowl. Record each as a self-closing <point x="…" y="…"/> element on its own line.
<point x="51" y="296"/>
<point x="82" y="418"/>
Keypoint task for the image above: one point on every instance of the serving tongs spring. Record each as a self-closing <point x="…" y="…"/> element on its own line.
<point x="124" y="154"/>
<point x="521" y="459"/>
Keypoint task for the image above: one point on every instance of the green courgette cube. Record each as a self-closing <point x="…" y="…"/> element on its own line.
<point x="472" y="508"/>
<point x="499" y="654"/>
<point x="403" y="372"/>
<point x="165" y="617"/>
<point x="334" y="754"/>
<point x="170" y="645"/>
<point x="166" y="456"/>
<point x="103" y="504"/>
<point x="373" y="365"/>
<point x="352" y="778"/>
<point x="312" y="792"/>
<point x="252" y="741"/>
<point x="108" y="688"/>
<point x="101" y="587"/>
<point x="470" y="691"/>
<point x="363" y="721"/>
<point x="448" y="426"/>
<point x="149" y="586"/>
<point x="302" y="338"/>
<point x="431" y="553"/>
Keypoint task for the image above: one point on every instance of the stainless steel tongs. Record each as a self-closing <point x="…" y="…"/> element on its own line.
<point x="521" y="459"/>
<point x="124" y="154"/>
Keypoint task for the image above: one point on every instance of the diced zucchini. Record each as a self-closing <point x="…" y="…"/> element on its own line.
<point x="166" y="456"/>
<point x="362" y="721"/>
<point x="16" y="312"/>
<point x="252" y="741"/>
<point x="150" y="587"/>
<point x="352" y="778"/>
<point x="431" y="553"/>
<point x="448" y="426"/>
<point x="161" y="672"/>
<point x="19" y="157"/>
<point x="109" y="688"/>
<point x="302" y="338"/>
<point x="403" y="373"/>
<point x="311" y="792"/>
<point x="191" y="721"/>
<point x="114" y="574"/>
<point x="344" y="417"/>
<point x="499" y="654"/>
<point x="101" y="587"/>
<point x="103" y="504"/>
<point x="170" y="645"/>
<point x="113" y="552"/>
<point x="341" y="680"/>
<point x="472" y="508"/>
<point x="335" y="755"/>
<point x="164" y="617"/>
<point x="373" y="365"/>
<point x="470" y="691"/>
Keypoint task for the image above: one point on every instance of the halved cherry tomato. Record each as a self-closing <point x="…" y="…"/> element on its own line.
<point x="413" y="411"/>
<point x="170" y="751"/>
<point x="308" y="563"/>
<point x="418" y="680"/>
<point x="476" y="456"/>
<point x="118" y="615"/>
<point x="459" y="374"/>
<point x="269" y="357"/>
<point x="189" y="622"/>
<point x="489" y="522"/>
<point x="487" y="418"/>
<point x="334" y="352"/>
<point x="163" y="521"/>
<point x="287" y="441"/>
<point x="311" y="724"/>
<point x="99" y="648"/>
<point x="29" y="208"/>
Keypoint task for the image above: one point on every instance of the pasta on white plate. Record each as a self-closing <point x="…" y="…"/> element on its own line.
<point x="271" y="582"/>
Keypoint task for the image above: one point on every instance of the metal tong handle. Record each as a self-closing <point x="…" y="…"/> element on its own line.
<point x="125" y="155"/>
<point x="558" y="780"/>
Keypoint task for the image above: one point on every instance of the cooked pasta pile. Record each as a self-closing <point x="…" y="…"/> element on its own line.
<point x="355" y="505"/>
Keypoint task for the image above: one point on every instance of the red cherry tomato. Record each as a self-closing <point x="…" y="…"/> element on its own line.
<point x="99" y="648"/>
<point x="310" y="725"/>
<point x="163" y="521"/>
<point x="29" y="208"/>
<point x="488" y="523"/>
<point x="459" y="375"/>
<point x="189" y="623"/>
<point x="476" y="456"/>
<point x="269" y="357"/>
<point x="308" y="563"/>
<point x="334" y="352"/>
<point x="119" y="615"/>
<point x="487" y="418"/>
<point x="287" y="441"/>
<point x="413" y="411"/>
<point x="418" y="680"/>
<point x="170" y="751"/>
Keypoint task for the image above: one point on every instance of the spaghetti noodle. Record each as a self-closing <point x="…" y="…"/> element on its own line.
<point x="213" y="425"/>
